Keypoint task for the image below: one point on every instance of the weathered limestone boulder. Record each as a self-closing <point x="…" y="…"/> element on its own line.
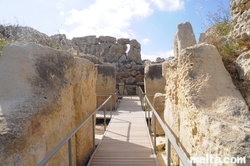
<point x="159" y="60"/>
<point x="183" y="38"/>
<point x="2" y="29"/>
<point x="60" y="41"/>
<point x="18" y="33"/>
<point x="159" y="105"/>
<point x="242" y="65"/>
<point x="134" y="53"/>
<point x="129" y="90"/>
<point x="243" y="68"/>
<point x="106" y="85"/>
<point x="205" y="111"/>
<point x="123" y="41"/>
<point x="154" y="82"/>
<point x="107" y="39"/>
<point x="115" y="52"/>
<point x="240" y="12"/>
<point x="88" y="40"/>
<point x="44" y="95"/>
<point x="129" y="73"/>
<point x="91" y="58"/>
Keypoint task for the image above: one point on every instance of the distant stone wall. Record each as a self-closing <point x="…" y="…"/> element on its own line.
<point x="106" y="85"/>
<point x="129" y="73"/>
<point x="44" y="95"/>
<point x="128" y="64"/>
<point x="108" y="49"/>
<point x="240" y="12"/>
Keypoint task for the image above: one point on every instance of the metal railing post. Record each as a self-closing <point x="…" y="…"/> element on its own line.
<point x="149" y="125"/>
<point x="169" y="152"/>
<point x="111" y="108"/>
<point x="154" y="119"/>
<point x="93" y="130"/>
<point x="70" y="151"/>
<point x="105" y="117"/>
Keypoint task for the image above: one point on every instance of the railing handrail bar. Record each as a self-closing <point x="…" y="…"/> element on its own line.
<point x="53" y="152"/>
<point x="169" y="135"/>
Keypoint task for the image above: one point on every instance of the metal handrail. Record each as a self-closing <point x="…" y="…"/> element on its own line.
<point x="171" y="139"/>
<point x="69" y="136"/>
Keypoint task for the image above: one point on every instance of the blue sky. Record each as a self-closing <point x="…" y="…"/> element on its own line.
<point x="152" y="22"/>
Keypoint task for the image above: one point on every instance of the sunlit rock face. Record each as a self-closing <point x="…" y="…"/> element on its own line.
<point x="44" y="95"/>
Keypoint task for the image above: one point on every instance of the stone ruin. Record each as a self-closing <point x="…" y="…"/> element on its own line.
<point x="200" y="103"/>
<point x="44" y="95"/>
<point x="100" y="50"/>
<point x="240" y="12"/>
<point x="128" y="64"/>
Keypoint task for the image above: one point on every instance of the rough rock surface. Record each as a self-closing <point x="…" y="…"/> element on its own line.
<point x="243" y="68"/>
<point x="154" y="82"/>
<point x="60" y="41"/>
<point x="134" y="53"/>
<point x="18" y="33"/>
<point x="159" y="105"/>
<point x="205" y="111"/>
<point x="43" y="96"/>
<point x="129" y="73"/>
<point x="105" y="84"/>
<point x="183" y="38"/>
<point x="240" y="12"/>
<point x="107" y="48"/>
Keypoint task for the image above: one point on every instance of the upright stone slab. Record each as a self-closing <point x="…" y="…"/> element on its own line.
<point x="106" y="85"/>
<point x="134" y="53"/>
<point x="240" y="12"/>
<point x="154" y="82"/>
<point x="159" y="105"/>
<point x="183" y="38"/>
<point x="204" y="110"/>
<point x="44" y="95"/>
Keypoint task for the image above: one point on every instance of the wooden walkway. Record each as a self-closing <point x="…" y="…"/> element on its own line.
<point x="126" y="140"/>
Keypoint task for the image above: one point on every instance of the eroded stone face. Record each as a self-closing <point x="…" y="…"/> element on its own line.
<point x="106" y="85"/>
<point x="203" y="108"/>
<point x="240" y="12"/>
<point x="43" y="96"/>
<point x="183" y="38"/>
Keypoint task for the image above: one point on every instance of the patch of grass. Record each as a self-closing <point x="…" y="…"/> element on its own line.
<point x="228" y="50"/>
<point x="56" y="47"/>
<point x="223" y="28"/>
<point x="3" y="42"/>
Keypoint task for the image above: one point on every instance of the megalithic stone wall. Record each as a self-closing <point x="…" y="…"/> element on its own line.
<point x="240" y="12"/>
<point x="106" y="85"/>
<point x="154" y="82"/>
<point x="44" y="95"/>
<point x="203" y="108"/>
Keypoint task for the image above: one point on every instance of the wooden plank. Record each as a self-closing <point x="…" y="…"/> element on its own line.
<point x="126" y="141"/>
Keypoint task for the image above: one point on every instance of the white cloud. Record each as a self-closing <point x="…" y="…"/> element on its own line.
<point x="109" y="17"/>
<point x="161" y="54"/>
<point x="62" y="13"/>
<point x="145" y="41"/>
<point x="169" y="5"/>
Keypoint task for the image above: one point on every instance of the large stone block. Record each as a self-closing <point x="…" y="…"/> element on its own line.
<point x="184" y="37"/>
<point x="106" y="84"/>
<point x="159" y="105"/>
<point x="204" y="110"/>
<point x="240" y="12"/>
<point x="43" y="96"/>
<point x="154" y="82"/>
<point x="134" y="53"/>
